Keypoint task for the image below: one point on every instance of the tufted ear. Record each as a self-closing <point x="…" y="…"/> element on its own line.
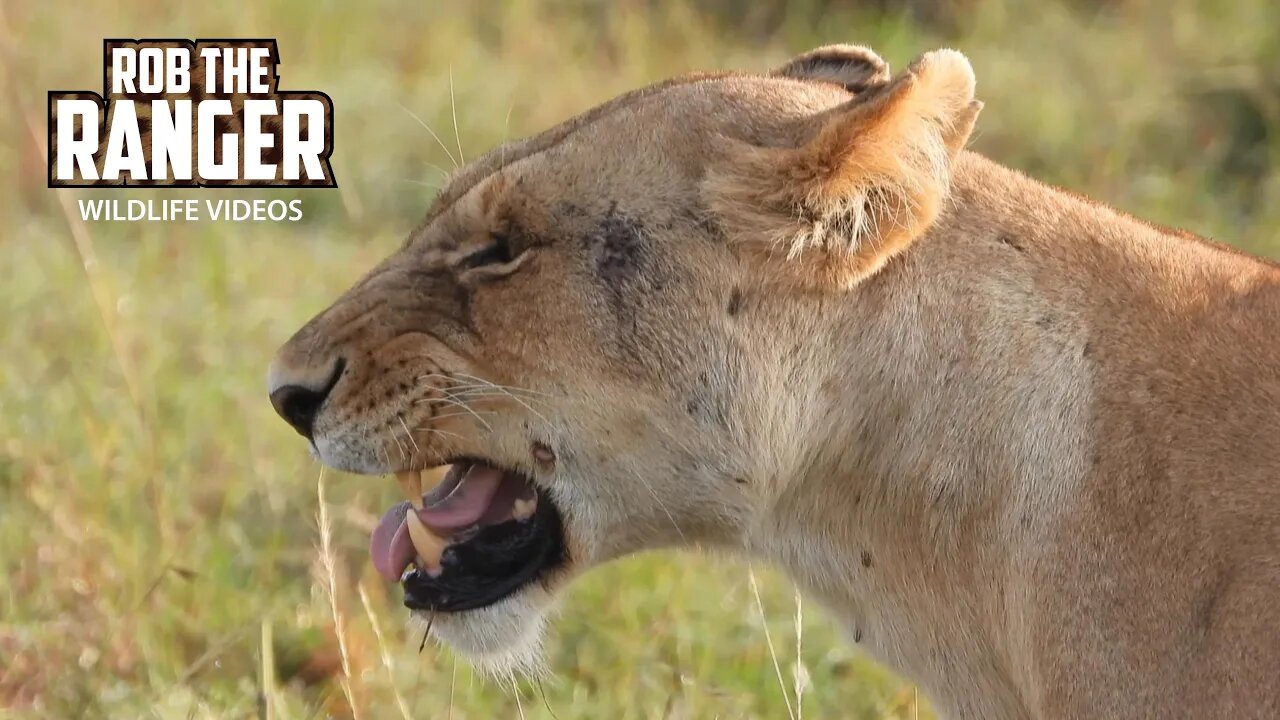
<point x="871" y="176"/>
<point x="854" y="67"/>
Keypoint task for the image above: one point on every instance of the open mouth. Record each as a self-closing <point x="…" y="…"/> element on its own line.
<point x="480" y="535"/>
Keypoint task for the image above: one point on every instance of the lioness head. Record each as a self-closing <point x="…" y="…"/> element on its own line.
<point x="602" y="329"/>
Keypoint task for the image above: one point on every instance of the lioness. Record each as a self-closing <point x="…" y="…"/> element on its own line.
<point x="1021" y="445"/>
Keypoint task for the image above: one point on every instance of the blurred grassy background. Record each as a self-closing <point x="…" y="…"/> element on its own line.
<point x="158" y="532"/>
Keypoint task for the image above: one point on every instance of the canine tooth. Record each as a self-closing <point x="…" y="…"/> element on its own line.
<point x="411" y="482"/>
<point x="428" y="545"/>
<point x="523" y="509"/>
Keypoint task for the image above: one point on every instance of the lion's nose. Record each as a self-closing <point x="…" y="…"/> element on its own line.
<point x="299" y="393"/>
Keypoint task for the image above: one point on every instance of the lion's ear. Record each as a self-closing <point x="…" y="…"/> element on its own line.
<point x="854" y="67"/>
<point x="871" y="176"/>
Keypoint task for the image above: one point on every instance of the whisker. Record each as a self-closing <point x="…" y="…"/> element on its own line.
<point x="427" y="185"/>
<point x="543" y="692"/>
<point x="481" y="392"/>
<point x="454" y="386"/>
<point x="446" y="401"/>
<point x="449" y="396"/>
<point x="445" y="433"/>
<point x="508" y="394"/>
<point x="400" y="446"/>
<point x="449" y="404"/>
<point x="405" y="425"/>
<point x="453" y="681"/>
<point x="433" y="134"/>
<point x="502" y="147"/>
<point x="459" y="391"/>
<point x="480" y="382"/>
<point x="453" y="108"/>
<point x="454" y="403"/>
<point x="437" y="168"/>
<point x="516" y="691"/>
<point x="443" y="416"/>
<point x="504" y="387"/>
<point x="446" y="416"/>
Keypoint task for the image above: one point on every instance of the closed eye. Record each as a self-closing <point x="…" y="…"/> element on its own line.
<point x="496" y="252"/>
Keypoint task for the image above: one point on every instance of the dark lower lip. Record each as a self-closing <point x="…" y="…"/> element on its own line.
<point x="493" y="564"/>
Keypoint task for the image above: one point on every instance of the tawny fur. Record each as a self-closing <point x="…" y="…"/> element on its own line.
<point x="1023" y="447"/>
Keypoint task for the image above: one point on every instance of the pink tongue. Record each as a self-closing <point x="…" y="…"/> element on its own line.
<point x="467" y="503"/>
<point x="390" y="547"/>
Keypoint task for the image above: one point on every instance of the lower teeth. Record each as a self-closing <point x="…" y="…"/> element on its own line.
<point x="427" y="544"/>
<point x="524" y="509"/>
<point x="411" y="482"/>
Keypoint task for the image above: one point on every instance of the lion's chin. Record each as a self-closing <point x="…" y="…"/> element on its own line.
<point x="501" y="639"/>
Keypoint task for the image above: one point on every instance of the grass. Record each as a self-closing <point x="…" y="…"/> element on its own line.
<point x="160" y="541"/>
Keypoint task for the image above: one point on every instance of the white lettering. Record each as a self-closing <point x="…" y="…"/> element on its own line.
<point x="171" y="139"/>
<point x="296" y="149"/>
<point x="255" y="141"/>
<point x="124" y="144"/>
<point x="123" y="70"/>
<point x="207" y="131"/>
<point x="75" y="151"/>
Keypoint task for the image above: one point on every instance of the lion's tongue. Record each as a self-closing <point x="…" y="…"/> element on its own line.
<point x="467" y="503"/>
<point x="390" y="546"/>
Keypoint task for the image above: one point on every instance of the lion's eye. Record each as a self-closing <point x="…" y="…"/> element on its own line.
<point x="496" y="252"/>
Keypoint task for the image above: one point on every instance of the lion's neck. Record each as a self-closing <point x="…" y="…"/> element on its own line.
<point x="946" y="433"/>
<point x="930" y="435"/>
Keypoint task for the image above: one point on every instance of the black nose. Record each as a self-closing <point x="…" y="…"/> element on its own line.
<point x="299" y="405"/>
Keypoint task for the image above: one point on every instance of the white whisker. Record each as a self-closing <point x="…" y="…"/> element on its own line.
<point x="433" y="134"/>
<point x="446" y="402"/>
<point x="508" y="393"/>
<point x="453" y="681"/>
<point x="437" y="168"/>
<point x="453" y="108"/>
<point x="446" y="416"/>
<point x="427" y="185"/>
<point x="503" y="387"/>
<point x="515" y="690"/>
<point x="400" y="446"/>
<point x="467" y="395"/>
<point x="502" y="147"/>
<point x="481" y="391"/>
<point x="439" y="432"/>
<point x="480" y="384"/>
<point x="450" y="402"/>
<point x="407" y="432"/>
